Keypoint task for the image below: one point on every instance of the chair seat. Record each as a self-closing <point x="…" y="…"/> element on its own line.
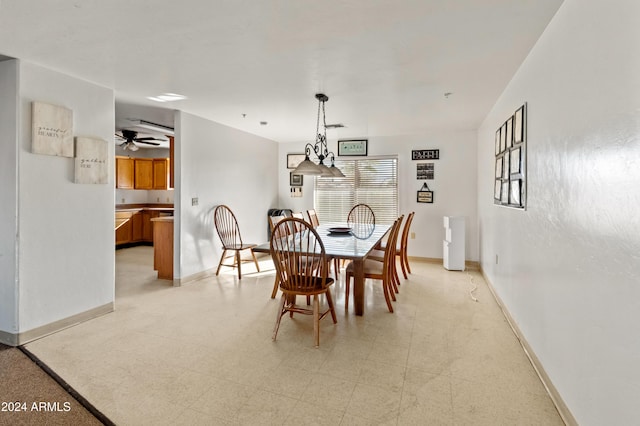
<point x="371" y="267"/>
<point x="316" y="287"/>
<point x="239" y="246"/>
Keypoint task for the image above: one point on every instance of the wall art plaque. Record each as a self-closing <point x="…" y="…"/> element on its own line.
<point x="91" y="161"/>
<point x="51" y="129"/>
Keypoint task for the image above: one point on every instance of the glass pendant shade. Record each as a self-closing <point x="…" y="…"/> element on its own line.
<point x="307" y="167"/>
<point x="336" y="172"/>
<point x="325" y="171"/>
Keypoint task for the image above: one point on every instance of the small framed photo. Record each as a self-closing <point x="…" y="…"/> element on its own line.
<point x="503" y="137"/>
<point x="295" y="180"/>
<point x="293" y="160"/>
<point x="497" y="190"/>
<point x="498" y="142"/>
<point x="516" y="162"/>
<point x="425" y="196"/>
<point x="510" y="132"/>
<point x="518" y="125"/>
<point x="352" y="147"/>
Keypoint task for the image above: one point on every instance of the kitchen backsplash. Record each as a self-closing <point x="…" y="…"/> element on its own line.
<point x="137" y="196"/>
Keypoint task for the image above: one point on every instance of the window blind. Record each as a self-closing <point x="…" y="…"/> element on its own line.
<point x="372" y="181"/>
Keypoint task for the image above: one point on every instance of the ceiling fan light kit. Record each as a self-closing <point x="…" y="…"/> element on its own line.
<point x="319" y="149"/>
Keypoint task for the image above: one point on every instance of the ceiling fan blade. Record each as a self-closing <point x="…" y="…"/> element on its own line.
<point x="149" y="138"/>
<point x="148" y="142"/>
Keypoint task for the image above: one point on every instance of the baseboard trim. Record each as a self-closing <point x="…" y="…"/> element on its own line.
<point x="562" y="408"/>
<point x="7" y="338"/>
<point x="47" y="329"/>
<point x="177" y="282"/>
<point x="469" y="264"/>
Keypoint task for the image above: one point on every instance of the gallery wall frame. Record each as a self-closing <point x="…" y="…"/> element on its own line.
<point x="295" y="180"/>
<point x="353" y="147"/>
<point x="293" y="160"/>
<point x="510" y="161"/>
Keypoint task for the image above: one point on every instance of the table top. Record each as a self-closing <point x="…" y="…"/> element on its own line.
<point x="354" y="245"/>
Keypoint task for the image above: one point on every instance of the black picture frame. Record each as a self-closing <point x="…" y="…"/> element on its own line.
<point x="353" y="147"/>
<point x="425" y="154"/>
<point x="293" y="160"/>
<point x="425" y="197"/>
<point x="295" y="180"/>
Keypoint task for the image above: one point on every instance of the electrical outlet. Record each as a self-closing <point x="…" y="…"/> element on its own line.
<point x="194" y="201"/>
<point x="413" y="235"/>
<point x="158" y="199"/>
<point x="168" y="199"/>
<point x="123" y="201"/>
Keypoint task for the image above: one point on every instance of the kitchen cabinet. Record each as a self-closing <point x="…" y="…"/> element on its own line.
<point x="143" y="173"/>
<point x="147" y="226"/>
<point x="136" y="227"/>
<point x="123" y="227"/>
<point x="160" y="173"/>
<point x="163" y="247"/>
<point x="124" y="172"/>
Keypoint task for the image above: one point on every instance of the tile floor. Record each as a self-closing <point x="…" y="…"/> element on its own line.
<point x="202" y="354"/>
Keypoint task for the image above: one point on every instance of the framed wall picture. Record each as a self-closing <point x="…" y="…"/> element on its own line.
<point x="510" y="188"/>
<point x="425" y="171"/>
<point x="91" y="161"/>
<point x="425" y="154"/>
<point x="425" y="196"/>
<point x="356" y="147"/>
<point x="293" y="160"/>
<point x="51" y="130"/>
<point x="295" y="180"/>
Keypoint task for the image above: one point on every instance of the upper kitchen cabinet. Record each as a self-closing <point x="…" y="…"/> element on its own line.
<point x="143" y="173"/>
<point x="160" y="173"/>
<point x="124" y="172"/>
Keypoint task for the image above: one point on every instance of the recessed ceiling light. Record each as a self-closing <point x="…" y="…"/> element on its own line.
<point x="167" y="97"/>
<point x="263" y="123"/>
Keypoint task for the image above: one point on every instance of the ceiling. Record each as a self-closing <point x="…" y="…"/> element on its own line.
<point x="385" y="65"/>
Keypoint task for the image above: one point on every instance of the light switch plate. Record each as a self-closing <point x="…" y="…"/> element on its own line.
<point x="194" y="201"/>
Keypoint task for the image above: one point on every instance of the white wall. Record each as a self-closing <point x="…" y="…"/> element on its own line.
<point x="9" y="196"/>
<point x="569" y="265"/>
<point x="219" y="165"/>
<point x="65" y="257"/>
<point x="453" y="186"/>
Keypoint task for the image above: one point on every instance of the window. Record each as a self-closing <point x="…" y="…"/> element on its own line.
<point x="372" y="181"/>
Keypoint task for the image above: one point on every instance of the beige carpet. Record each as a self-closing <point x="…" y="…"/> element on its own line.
<point x="30" y="396"/>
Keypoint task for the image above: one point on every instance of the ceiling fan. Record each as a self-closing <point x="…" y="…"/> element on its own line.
<point x="130" y="137"/>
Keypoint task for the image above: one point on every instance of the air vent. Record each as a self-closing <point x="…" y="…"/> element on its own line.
<point x="334" y="126"/>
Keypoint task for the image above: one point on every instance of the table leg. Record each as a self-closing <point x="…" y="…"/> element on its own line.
<point x="358" y="286"/>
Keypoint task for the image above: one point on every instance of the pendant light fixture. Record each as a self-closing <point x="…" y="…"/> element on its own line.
<point x="319" y="149"/>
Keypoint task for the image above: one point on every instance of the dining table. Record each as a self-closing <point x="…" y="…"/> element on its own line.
<point x="349" y="241"/>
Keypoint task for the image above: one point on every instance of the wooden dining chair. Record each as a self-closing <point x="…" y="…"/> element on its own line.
<point x="378" y="270"/>
<point x="313" y="218"/>
<point x="361" y="213"/>
<point x="402" y="248"/>
<point x="229" y="232"/>
<point x="281" y="232"/>
<point x="378" y="255"/>
<point x="297" y="215"/>
<point x="302" y="269"/>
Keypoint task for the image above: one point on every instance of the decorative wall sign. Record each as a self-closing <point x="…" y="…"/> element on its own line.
<point x="293" y="160"/>
<point x="51" y="129"/>
<point x="425" y="195"/>
<point x="295" y="180"/>
<point x="352" y="147"/>
<point x="91" y="161"/>
<point x="425" y="154"/>
<point x="425" y="171"/>
<point x="510" y="146"/>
